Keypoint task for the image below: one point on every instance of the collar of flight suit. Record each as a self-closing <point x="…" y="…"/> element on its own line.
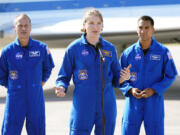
<point x="84" y="41"/>
<point x="152" y="47"/>
<point x="19" y="44"/>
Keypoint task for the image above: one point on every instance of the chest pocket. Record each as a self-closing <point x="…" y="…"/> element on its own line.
<point x="86" y="59"/>
<point x="15" y="60"/>
<point x="154" y="62"/>
<point x="135" y="63"/>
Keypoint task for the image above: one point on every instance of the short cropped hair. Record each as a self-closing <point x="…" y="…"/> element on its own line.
<point x="21" y="15"/>
<point x="91" y="12"/>
<point x="147" y="18"/>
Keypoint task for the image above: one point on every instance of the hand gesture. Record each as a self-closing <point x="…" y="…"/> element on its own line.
<point x="125" y="74"/>
<point x="136" y="92"/>
<point x="60" y="91"/>
<point x="148" y="92"/>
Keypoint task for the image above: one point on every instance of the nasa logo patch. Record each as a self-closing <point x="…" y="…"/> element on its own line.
<point x="138" y="57"/>
<point x="19" y="55"/>
<point x="85" y="52"/>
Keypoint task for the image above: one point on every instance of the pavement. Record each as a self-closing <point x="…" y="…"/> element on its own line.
<point x="58" y="112"/>
<point x="58" y="109"/>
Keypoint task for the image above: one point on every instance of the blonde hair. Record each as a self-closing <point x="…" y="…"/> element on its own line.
<point x="88" y="13"/>
<point x="22" y="15"/>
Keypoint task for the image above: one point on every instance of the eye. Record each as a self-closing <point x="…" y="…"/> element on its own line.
<point x="20" y="26"/>
<point x="140" y="27"/>
<point x="146" y="27"/>
<point x="91" y="23"/>
<point x="99" y="23"/>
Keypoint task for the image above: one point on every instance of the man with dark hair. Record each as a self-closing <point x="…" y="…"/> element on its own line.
<point x="152" y="73"/>
<point x="25" y="66"/>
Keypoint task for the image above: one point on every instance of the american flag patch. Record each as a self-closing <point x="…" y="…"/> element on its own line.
<point x="48" y="51"/>
<point x="169" y="56"/>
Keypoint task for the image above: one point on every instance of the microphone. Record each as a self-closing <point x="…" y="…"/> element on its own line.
<point x="99" y="46"/>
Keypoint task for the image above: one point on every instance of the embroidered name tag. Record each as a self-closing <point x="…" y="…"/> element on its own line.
<point x="155" y="57"/>
<point x="34" y="53"/>
<point x="107" y="53"/>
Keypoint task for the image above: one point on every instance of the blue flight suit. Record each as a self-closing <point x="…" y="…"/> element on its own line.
<point x="83" y="62"/>
<point x="22" y="70"/>
<point x="154" y="70"/>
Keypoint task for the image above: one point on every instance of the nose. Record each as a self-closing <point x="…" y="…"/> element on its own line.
<point x="96" y="25"/>
<point x="142" y="31"/>
<point x="23" y="27"/>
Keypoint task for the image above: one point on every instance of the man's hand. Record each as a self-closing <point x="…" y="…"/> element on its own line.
<point x="137" y="93"/>
<point x="60" y="91"/>
<point x="148" y="92"/>
<point x="125" y="74"/>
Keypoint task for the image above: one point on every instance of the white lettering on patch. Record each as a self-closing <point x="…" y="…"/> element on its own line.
<point x="155" y="57"/>
<point x="34" y="53"/>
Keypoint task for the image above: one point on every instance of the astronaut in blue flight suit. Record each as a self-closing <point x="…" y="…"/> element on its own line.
<point x="152" y="73"/>
<point x="25" y="66"/>
<point x="82" y="60"/>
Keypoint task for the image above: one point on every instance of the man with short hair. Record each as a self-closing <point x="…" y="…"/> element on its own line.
<point x="25" y="66"/>
<point x="152" y="73"/>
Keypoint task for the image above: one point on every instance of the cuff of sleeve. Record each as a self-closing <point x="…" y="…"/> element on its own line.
<point x="63" y="85"/>
<point x="125" y="90"/>
<point x="155" y="88"/>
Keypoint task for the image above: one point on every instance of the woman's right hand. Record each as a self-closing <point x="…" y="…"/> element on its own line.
<point x="125" y="74"/>
<point x="60" y="91"/>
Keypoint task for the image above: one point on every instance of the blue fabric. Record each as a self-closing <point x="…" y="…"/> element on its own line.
<point x="154" y="70"/>
<point x="83" y="62"/>
<point x="22" y="70"/>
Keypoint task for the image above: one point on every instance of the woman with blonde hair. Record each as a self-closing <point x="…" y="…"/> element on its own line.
<point x="91" y="73"/>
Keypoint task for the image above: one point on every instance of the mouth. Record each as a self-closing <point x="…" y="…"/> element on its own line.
<point x="24" y="33"/>
<point x="95" y="32"/>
